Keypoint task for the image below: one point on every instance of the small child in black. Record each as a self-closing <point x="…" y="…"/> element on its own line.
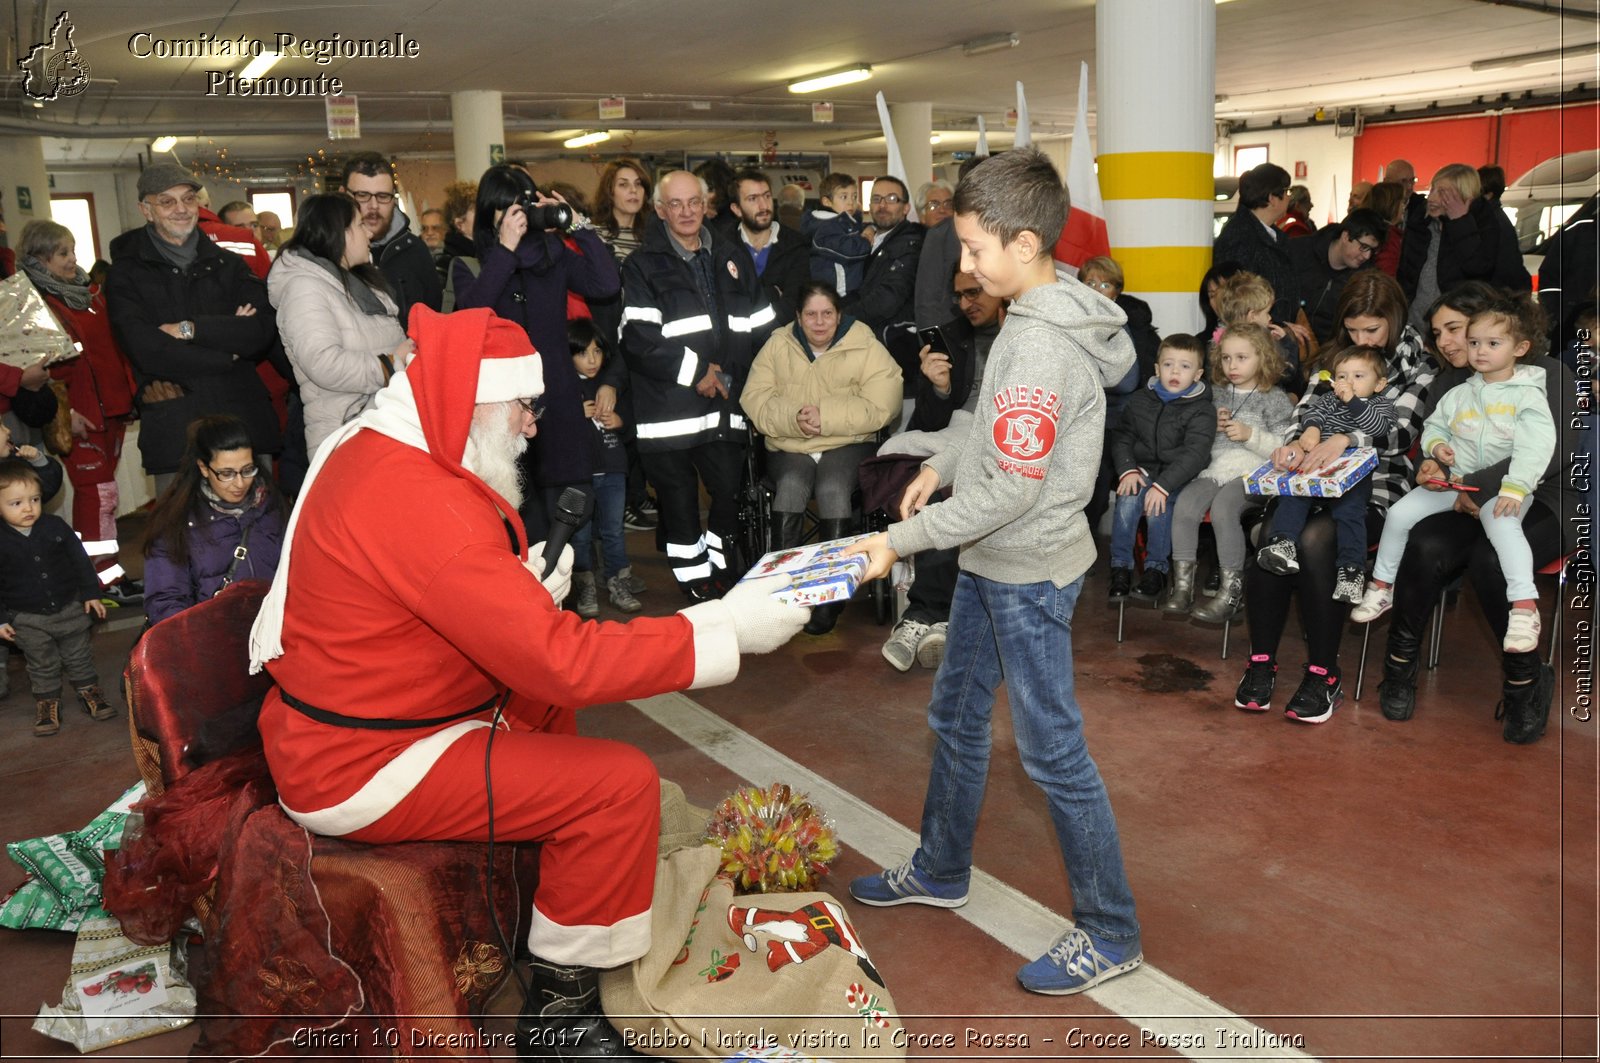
<point x="48" y="587"/>
<point x="610" y="486"/>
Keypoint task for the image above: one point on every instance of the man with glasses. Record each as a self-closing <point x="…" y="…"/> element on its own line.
<point x="1325" y="261"/>
<point x="194" y="321"/>
<point x="1250" y="238"/>
<point x="405" y="260"/>
<point x="694" y="314"/>
<point x="887" y="296"/>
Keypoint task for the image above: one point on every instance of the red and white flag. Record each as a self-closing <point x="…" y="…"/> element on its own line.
<point x="1084" y="235"/>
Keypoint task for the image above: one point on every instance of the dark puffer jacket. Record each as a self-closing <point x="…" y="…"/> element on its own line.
<point x="170" y="587"/>
<point x="1169" y="441"/>
<point x="216" y="369"/>
<point x="1264" y="252"/>
<point x="1479" y="246"/>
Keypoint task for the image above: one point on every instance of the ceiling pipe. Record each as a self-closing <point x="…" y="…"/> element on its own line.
<point x="244" y="129"/>
<point x="1543" y="8"/>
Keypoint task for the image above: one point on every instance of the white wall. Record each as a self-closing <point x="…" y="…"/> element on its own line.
<point x="115" y="204"/>
<point x="1329" y="161"/>
<point x="22" y="164"/>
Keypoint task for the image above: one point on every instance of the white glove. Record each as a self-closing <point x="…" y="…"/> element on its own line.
<point x="761" y="623"/>
<point x="559" y="582"/>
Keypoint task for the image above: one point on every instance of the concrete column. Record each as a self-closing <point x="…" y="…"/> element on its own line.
<point x="478" y="122"/>
<point x="1155" y="95"/>
<point x="913" y="125"/>
<point x="22" y="166"/>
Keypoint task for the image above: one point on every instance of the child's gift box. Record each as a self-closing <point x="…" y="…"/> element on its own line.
<point x="819" y="573"/>
<point x="1330" y="482"/>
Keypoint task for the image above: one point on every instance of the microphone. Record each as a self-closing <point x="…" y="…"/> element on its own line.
<point x="571" y="508"/>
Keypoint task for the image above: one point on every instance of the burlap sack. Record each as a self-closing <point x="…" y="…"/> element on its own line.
<point x="728" y="973"/>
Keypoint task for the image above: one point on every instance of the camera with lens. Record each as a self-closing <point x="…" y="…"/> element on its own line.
<point x="546" y="216"/>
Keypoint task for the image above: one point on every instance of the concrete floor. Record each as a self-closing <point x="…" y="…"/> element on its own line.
<point x="1377" y="890"/>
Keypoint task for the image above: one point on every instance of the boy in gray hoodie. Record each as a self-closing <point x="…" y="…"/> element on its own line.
<point x="1021" y="479"/>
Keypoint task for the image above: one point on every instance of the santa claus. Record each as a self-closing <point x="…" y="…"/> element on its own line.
<point x="412" y="633"/>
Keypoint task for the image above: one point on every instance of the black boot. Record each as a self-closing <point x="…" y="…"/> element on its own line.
<point x="1397" y="694"/>
<point x="823" y="617"/>
<point x="787" y="530"/>
<point x="1525" y="697"/>
<point x="562" y="1018"/>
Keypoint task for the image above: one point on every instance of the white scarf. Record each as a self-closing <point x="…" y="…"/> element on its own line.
<point x="395" y="415"/>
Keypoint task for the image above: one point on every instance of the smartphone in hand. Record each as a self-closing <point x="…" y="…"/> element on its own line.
<point x="933" y="338"/>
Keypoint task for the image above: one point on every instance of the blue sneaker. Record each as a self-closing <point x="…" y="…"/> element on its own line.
<point x="1077" y="962"/>
<point x="906" y="885"/>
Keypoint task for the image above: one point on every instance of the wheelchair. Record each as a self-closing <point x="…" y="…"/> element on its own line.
<point x="756" y="531"/>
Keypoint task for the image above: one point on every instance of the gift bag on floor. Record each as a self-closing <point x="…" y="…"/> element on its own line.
<point x="726" y="973"/>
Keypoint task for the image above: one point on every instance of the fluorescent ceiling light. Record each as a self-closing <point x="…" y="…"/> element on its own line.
<point x="162" y="144"/>
<point x="1529" y="58"/>
<point x="935" y="139"/>
<point x="992" y="43"/>
<point x="599" y="136"/>
<point x="828" y="81"/>
<point x="260" y="64"/>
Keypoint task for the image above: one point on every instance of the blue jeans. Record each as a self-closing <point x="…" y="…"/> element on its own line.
<point x="1349" y="520"/>
<point x="1022" y="634"/>
<point x="610" y="497"/>
<point x="1158" y="532"/>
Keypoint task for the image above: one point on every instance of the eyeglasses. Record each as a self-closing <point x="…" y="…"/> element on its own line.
<point x="682" y="206"/>
<point x="364" y="198"/>
<point x="532" y="407"/>
<point x="1367" y="250"/>
<point x="168" y="203"/>
<point x="940" y="204"/>
<point x="227" y="476"/>
<point x="969" y="295"/>
<point x="891" y="199"/>
<point x="1103" y="286"/>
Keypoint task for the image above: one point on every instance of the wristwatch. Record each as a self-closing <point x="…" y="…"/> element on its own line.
<point x="186" y="330"/>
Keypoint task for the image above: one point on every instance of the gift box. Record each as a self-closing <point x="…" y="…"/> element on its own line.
<point x="819" y="573"/>
<point x="1331" y="481"/>
<point x="775" y="1052"/>
<point x="30" y="333"/>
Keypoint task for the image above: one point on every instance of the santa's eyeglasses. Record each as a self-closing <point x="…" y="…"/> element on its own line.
<point x="533" y="407"/>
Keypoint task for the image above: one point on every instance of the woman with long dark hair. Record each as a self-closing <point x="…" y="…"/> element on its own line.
<point x="1372" y="312"/>
<point x="339" y="324"/>
<point x="524" y="277"/>
<point x="621" y="205"/>
<point x="219" y="521"/>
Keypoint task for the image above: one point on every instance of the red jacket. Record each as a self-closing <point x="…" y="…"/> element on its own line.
<point x="99" y="381"/>
<point x="239" y="240"/>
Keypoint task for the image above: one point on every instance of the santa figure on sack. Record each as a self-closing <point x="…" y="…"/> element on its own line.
<point x="407" y="607"/>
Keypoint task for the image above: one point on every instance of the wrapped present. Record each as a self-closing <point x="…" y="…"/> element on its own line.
<point x="118" y="990"/>
<point x="65" y="871"/>
<point x="819" y="573"/>
<point x="1331" y="481"/>
<point x="30" y="333"/>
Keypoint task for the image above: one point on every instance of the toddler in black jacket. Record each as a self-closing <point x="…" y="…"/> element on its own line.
<point x="48" y="587"/>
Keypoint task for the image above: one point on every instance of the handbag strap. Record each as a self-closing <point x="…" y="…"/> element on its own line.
<point x="240" y="552"/>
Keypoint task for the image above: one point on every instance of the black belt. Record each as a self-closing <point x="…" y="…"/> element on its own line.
<point x="367" y="724"/>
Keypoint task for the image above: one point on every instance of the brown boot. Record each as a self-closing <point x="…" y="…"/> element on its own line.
<point x="95" y="703"/>
<point x="49" y="721"/>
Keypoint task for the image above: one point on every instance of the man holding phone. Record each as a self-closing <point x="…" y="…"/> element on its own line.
<point x="952" y="359"/>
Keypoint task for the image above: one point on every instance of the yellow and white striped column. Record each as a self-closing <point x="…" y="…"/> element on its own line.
<point x="1155" y="97"/>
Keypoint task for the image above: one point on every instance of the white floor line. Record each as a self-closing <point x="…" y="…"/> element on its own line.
<point x="1146" y="997"/>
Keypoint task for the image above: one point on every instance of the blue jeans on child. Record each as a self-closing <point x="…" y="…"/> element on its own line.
<point x="1158" y="532"/>
<point x="1349" y="513"/>
<point x="610" y="498"/>
<point x="1023" y="634"/>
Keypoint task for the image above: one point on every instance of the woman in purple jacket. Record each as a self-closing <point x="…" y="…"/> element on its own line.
<point x="524" y="275"/>
<point x="218" y="522"/>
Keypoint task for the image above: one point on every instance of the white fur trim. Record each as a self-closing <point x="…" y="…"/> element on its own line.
<point x="716" y="644"/>
<point x="506" y="379"/>
<point x="387" y="787"/>
<point x="591" y="945"/>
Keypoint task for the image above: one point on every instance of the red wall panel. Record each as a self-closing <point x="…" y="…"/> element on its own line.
<point x="1517" y="140"/>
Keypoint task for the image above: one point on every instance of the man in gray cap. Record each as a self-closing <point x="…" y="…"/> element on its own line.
<point x="193" y="320"/>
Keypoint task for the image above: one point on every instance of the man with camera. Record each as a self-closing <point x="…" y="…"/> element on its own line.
<point x="694" y="314"/>
<point x="399" y="252"/>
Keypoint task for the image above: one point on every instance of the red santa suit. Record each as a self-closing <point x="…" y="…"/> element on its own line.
<point x="404" y="596"/>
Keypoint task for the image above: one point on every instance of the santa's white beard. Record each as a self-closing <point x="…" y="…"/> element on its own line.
<point x="493" y="448"/>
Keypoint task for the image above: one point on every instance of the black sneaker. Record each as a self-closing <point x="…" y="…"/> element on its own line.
<point x="1317" y="697"/>
<point x="123" y="593"/>
<point x="1151" y="584"/>
<point x="1279" y="556"/>
<point x="1526" y="708"/>
<point x="1255" y="689"/>
<point x="1397" y="694"/>
<point x="1121" y="582"/>
<point x="1349" y="585"/>
<point x="638" y="520"/>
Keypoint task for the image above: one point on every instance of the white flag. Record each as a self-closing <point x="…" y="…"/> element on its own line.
<point x="1024" y="131"/>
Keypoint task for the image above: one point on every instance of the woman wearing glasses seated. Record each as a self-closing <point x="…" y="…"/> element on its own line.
<point x="221" y="520"/>
<point x="338" y="321"/>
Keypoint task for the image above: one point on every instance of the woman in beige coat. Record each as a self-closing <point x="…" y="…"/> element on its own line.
<point x="819" y="392"/>
<point x="337" y="321"/>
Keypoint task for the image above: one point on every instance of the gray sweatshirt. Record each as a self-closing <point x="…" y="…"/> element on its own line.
<point x="1023" y="475"/>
